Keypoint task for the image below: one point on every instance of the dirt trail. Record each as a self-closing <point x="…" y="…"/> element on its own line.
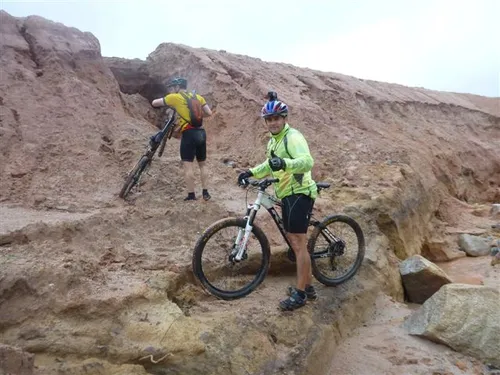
<point x="382" y="347"/>
<point x="16" y="218"/>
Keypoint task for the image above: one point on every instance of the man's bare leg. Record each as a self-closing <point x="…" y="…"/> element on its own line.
<point x="189" y="177"/>
<point x="204" y="179"/>
<point x="204" y="174"/>
<point x="303" y="260"/>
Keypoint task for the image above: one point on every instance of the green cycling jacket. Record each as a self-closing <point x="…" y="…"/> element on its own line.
<point x="290" y="145"/>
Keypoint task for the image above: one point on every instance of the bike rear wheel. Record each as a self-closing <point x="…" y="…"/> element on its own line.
<point x="337" y="248"/>
<point x="219" y="273"/>
<point x="134" y="176"/>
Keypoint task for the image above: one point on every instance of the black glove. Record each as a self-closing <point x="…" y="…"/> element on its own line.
<point x="243" y="176"/>
<point x="276" y="163"/>
<point x="155" y="138"/>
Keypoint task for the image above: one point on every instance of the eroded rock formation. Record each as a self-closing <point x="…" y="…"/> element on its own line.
<point x="86" y="274"/>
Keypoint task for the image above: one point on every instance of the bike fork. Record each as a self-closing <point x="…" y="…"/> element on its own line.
<point x="240" y="244"/>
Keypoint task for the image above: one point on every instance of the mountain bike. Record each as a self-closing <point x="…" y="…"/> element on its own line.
<point x="156" y="142"/>
<point x="229" y="268"/>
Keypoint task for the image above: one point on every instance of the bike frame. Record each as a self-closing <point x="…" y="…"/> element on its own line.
<point x="269" y="202"/>
<point x="153" y="146"/>
<point x="166" y="128"/>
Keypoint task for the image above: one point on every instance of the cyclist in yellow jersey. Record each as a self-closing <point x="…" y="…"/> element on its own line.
<point x="193" y="140"/>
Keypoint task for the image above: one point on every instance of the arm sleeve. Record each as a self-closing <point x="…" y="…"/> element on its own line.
<point x="169" y="100"/>
<point x="261" y="170"/>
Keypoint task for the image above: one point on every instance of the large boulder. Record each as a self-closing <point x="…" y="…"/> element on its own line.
<point x="421" y="278"/>
<point x="474" y="245"/>
<point x="463" y="317"/>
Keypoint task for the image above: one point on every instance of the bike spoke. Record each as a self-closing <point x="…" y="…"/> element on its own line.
<point x="220" y="268"/>
<point x="333" y="259"/>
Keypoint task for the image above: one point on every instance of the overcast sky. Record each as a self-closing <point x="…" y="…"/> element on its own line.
<point x="437" y="44"/>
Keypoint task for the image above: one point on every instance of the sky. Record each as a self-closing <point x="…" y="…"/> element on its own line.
<point x="437" y="44"/>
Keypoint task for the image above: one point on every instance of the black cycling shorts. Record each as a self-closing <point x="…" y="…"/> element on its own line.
<point x="296" y="211"/>
<point x="194" y="143"/>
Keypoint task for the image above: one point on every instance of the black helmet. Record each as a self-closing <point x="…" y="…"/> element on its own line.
<point x="182" y="82"/>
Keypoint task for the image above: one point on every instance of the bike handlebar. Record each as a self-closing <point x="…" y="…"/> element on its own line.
<point x="262" y="184"/>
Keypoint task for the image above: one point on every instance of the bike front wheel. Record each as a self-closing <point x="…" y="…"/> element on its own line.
<point x="337" y="248"/>
<point x="134" y="176"/>
<point x="217" y="269"/>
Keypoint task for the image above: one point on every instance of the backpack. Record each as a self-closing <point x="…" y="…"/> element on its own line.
<point x="195" y="110"/>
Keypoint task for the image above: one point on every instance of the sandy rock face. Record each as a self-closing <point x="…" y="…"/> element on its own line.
<point x="495" y="210"/>
<point x="65" y="142"/>
<point x="133" y="78"/>
<point x="14" y="360"/>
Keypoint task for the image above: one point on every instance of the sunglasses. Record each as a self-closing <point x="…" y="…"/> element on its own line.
<point x="274" y="118"/>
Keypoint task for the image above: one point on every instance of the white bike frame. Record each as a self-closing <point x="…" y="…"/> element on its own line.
<point x="268" y="202"/>
<point x="240" y="244"/>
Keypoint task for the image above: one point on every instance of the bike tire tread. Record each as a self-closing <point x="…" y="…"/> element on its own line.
<point x="359" y="258"/>
<point x="205" y="237"/>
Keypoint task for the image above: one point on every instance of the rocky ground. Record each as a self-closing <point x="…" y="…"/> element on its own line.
<point x="382" y="346"/>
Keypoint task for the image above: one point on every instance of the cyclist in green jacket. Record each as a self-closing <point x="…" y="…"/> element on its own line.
<point x="289" y="160"/>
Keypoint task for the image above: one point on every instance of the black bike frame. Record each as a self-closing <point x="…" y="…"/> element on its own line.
<point x="252" y="212"/>
<point x="163" y="132"/>
<point x="269" y="202"/>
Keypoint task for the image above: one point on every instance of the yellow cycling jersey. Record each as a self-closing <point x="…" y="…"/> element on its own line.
<point x="177" y="102"/>
<point x="296" y="178"/>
